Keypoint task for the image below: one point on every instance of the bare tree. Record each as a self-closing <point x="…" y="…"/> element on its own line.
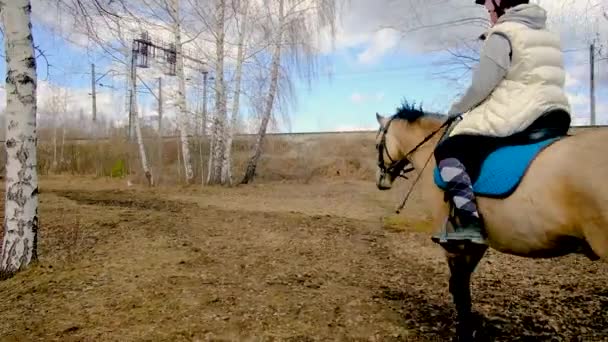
<point x="219" y="119"/>
<point x="54" y="107"/>
<point x="19" y="247"/>
<point x="274" y="81"/>
<point x="231" y="128"/>
<point x="456" y="63"/>
<point x="134" y="114"/>
<point x="140" y="143"/>
<point x="298" y="21"/>
<point x="181" y="93"/>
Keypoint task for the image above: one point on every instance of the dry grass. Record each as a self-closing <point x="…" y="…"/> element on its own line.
<point x="284" y="158"/>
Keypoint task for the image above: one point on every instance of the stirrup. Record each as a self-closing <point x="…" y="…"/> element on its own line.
<point x="459" y="237"/>
<point x="450" y="235"/>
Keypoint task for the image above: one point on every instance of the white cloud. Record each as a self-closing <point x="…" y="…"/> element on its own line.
<point x="581" y="108"/>
<point x="578" y="99"/>
<point x="572" y="80"/>
<point x="430" y="25"/>
<point x="357" y="98"/>
<point x="577" y="21"/>
<point x="381" y="43"/>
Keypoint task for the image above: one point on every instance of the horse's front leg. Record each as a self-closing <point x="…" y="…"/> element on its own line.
<point x="462" y="264"/>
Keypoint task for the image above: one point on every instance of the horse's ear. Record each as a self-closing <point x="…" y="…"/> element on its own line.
<point x="381" y="119"/>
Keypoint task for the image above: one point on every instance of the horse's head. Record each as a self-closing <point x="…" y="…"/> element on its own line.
<point x="398" y="138"/>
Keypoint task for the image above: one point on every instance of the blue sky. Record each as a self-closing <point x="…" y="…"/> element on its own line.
<point x="355" y="92"/>
<point x="372" y="72"/>
<point x="351" y="98"/>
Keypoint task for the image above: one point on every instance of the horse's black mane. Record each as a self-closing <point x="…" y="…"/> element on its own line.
<point x="409" y="112"/>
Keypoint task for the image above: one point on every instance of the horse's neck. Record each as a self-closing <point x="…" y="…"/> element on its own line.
<point x="431" y="195"/>
<point x="424" y="162"/>
<point x="423" y="159"/>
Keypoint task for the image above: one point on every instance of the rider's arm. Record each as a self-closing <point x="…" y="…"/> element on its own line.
<point x="494" y="63"/>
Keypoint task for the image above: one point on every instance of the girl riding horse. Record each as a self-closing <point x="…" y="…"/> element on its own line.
<point x="520" y="77"/>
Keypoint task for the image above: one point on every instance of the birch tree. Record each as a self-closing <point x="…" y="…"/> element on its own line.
<point x="140" y="142"/>
<point x="112" y="25"/>
<point x="181" y="94"/>
<point x="133" y="112"/>
<point x="272" y="92"/>
<point x="298" y="22"/>
<point x="219" y="119"/>
<point x="19" y="247"/>
<point x="231" y="128"/>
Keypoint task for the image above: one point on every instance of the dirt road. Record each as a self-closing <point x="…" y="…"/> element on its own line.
<point x="273" y="262"/>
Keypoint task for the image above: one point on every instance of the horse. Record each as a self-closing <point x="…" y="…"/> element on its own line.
<point x="559" y="205"/>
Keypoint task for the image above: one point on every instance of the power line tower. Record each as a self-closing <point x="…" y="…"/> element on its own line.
<point x="143" y="49"/>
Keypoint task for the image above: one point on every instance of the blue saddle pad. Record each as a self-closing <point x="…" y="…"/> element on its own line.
<point x="503" y="169"/>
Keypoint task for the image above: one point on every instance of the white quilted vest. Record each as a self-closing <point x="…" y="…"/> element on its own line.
<point x="533" y="85"/>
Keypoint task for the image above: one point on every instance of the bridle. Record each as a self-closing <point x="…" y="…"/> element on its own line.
<point x="397" y="168"/>
<point x="400" y="168"/>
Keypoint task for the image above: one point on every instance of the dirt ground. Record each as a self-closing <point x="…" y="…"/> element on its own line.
<point x="273" y="262"/>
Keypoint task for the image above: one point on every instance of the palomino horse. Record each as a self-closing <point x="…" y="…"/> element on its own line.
<point x="559" y="207"/>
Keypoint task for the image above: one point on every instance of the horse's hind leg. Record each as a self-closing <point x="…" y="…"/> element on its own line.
<point x="462" y="264"/>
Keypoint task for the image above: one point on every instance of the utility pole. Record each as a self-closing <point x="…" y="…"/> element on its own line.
<point x="94" y="115"/>
<point x="142" y="49"/>
<point x="94" y="97"/>
<point x="160" y="129"/>
<point x="133" y="93"/>
<point x="592" y="85"/>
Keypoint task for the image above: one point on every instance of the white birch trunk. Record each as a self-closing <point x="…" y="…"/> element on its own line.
<point x="179" y="162"/>
<point x="19" y="247"/>
<point x="54" y="166"/>
<point x="220" y="96"/>
<point x="272" y="91"/>
<point x="212" y="138"/>
<point x="159" y="172"/>
<point x="61" y="160"/>
<point x="230" y="129"/>
<point x="181" y="95"/>
<point x="135" y="121"/>
<point x="62" y="122"/>
<point x="142" y="150"/>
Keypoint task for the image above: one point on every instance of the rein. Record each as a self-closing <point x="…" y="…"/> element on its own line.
<point x="403" y="163"/>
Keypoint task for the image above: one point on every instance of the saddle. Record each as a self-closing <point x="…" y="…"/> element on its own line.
<point x="504" y="168"/>
<point x="550" y="125"/>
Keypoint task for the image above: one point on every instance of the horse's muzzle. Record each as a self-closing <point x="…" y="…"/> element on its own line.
<point x="383" y="181"/>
